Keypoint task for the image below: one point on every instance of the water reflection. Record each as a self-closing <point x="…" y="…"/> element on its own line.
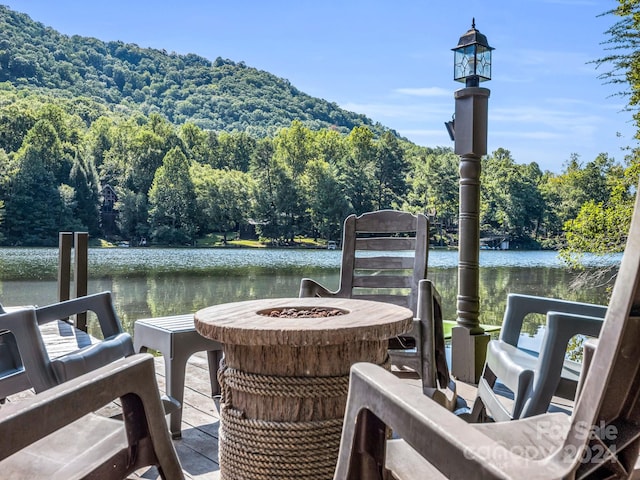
<point x="156" y="282"/>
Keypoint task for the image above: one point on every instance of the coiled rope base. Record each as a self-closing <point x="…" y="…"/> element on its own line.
<point x="253" y="449"/>
<point x="262" y="450"/>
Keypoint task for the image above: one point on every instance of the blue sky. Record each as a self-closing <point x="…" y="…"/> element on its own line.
<point x="392" y="61"/>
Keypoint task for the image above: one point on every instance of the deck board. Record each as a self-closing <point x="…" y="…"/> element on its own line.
<point x="198" y="447"/>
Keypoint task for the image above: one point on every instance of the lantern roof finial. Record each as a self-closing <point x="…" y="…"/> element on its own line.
<point x="473" y="36"/>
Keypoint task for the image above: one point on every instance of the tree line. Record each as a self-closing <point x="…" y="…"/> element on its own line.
<point x="175" y="184"/>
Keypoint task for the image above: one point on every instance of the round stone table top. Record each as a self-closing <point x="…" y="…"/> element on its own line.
<point x="249" y="322"/>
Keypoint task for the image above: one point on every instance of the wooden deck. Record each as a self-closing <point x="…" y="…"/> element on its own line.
<point x="198" y="447"/>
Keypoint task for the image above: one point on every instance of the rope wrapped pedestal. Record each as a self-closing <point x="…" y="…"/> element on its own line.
<point x="280" y="422"/>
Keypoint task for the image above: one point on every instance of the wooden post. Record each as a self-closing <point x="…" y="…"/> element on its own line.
<point x="65" y="243"/>
<point x="80" y="276"/>
<point x="468" y="341"/>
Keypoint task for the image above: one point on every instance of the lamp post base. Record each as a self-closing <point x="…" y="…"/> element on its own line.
<point x="468" y="354"/>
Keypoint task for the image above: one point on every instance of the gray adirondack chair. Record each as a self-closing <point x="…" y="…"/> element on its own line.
<point x="534" y="378"/>
<point x="55" y="434"/>
<point x="601" y="438"/>
<point x="384" y="258"/>
<point x="27" y="362"/>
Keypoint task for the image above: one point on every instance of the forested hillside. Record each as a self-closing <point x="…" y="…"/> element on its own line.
<point x="219" y="95"/>
<point x="131" y="144"/>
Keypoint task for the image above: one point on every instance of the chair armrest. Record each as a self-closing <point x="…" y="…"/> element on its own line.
<point x="61" y="405"/>
<point x="311" y="288"/>
<point x="509" y="363"/>
<point x="515" y="368"/>
<point x="91" y="357"/>
<point x="519" y="306"/>
<point x="560" y="328"/>
<point x="100" y="303"/>
<point x="450" y="444"/>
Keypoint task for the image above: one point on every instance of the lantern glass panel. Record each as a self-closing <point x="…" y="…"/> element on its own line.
<point x="464" y="62"/>
<point x="483" y="62"/>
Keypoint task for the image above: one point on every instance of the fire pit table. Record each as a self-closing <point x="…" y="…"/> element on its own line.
<point x="285" y="378"/>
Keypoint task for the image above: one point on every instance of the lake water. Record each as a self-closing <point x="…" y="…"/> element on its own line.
<point x="155" y="282"/>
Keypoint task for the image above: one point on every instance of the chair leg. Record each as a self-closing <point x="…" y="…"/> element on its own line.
<point x="479" y="411"/>
<point x="174" y="376"/>
<point x="214" y="357"/>
<point x="367" y="462"/>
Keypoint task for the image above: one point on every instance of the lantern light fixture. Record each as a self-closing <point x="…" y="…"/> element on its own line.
<point x="472" y="58"/>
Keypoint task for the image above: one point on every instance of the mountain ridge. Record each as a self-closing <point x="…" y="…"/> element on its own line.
<point x="221" y="95"/>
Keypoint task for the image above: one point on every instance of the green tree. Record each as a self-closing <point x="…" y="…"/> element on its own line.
<point x="66" y="216"/>
<point x="389" y="173"/>
<point x="294" y="147"/>
<point x="357" y="170"/>
<point x="223" y="198"/>
<point x="263" y="170"/>
<point x="115" y="158"/>
<point x="593" y="228"/>
<point x="235" y="150"/>
<point x="146" y="152"/>
<point x="43" y="142"/>
<point x="330" y="146"/>
<point x="133" y="218"/>
<point x="172" y="201"/>
<point x="510" y="200"/>
<point x="99" y="139"/>
<point x="34" y="208"/>
<point x="598" y="227"/>
<point x="84" y="180"/>
<point x="579" y="183"/>
<point x="433" y="188"/>
<point x="327" y="205"/>
<point x="17" y="117"/>
<point x="601" y="226"/>
<point x="1" y="221"/>
<point x="196" y="143"/>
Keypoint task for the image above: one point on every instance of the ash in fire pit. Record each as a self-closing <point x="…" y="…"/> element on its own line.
<point x="302" y="312"/>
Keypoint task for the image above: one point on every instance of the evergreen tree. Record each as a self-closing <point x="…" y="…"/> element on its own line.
<point x="34" y="206"/>
<point x="84" y="180"/>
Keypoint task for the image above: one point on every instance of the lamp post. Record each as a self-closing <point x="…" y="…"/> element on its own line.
<point x="472" y="65"/>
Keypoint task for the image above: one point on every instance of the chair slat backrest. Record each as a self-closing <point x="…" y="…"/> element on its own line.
<point x="609" y="406"/>
<point x="391" y="276"/>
